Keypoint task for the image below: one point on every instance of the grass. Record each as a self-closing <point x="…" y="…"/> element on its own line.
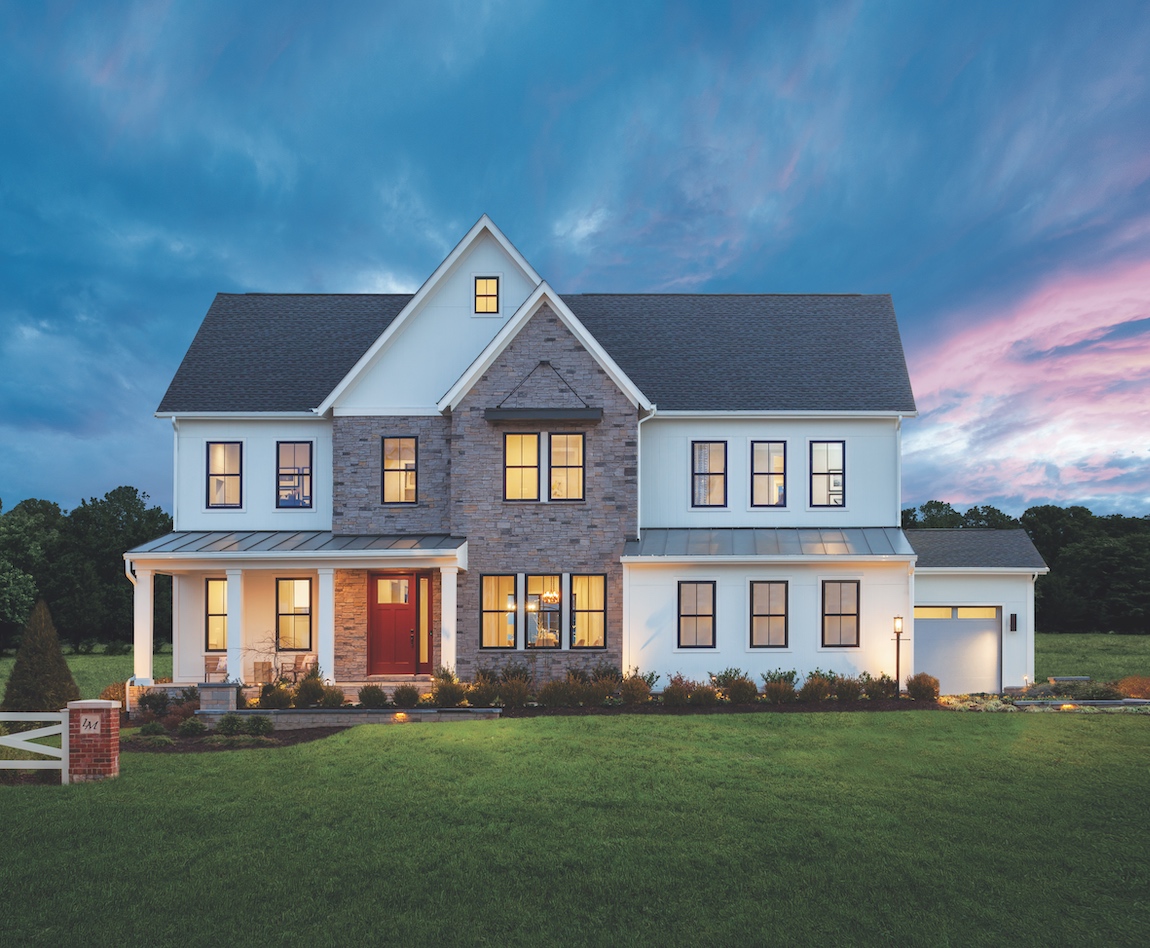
<point x="915" y="828"/>
<point x="93" y="673"/>
<point x="1102" y="657"/>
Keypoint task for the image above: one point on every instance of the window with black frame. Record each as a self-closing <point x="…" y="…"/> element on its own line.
<point x="543" y="609"/>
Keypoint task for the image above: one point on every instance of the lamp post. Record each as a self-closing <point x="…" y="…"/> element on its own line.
<point x="897" y="654"/>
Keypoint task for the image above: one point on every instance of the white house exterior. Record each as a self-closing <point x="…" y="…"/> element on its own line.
<point x="487" y="471"/>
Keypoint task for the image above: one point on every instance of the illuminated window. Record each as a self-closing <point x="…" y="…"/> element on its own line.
<point x="293" y="615"/>
<point x="487" y="294"/>
<point x="543" y="612"/>
<point x="708" y="473"/>
<point x="841" y="613"/>
<point x="521" y="467"/>
<point x="293" y="478"/>
<point x="827" y="473"/>
<point x="225" y="473"/>
<point x="768" y="474"/>
<point x="697" y="615"/>
<point x="399" y="471"/>
<point x="977" y="612"/>
<point x="588" y="611"/>
<point x="217" y="615"/>
<point x="933" y="612"/>
<point x="768" y="615"/>
<point x="497" y="612"/>
<point x="566" y="466"/>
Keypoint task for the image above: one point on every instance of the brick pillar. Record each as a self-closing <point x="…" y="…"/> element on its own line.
<point x="218" y="697"/>
<point x="93" y="741"/>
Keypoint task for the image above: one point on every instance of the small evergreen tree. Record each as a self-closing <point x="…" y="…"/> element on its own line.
<point x="40" y="679"/>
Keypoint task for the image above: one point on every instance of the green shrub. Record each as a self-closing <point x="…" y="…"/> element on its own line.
<point x="447" y="693"/>
<point x="578" y="675"/>
<point x="119" y="648"/>
<point x="847" y="688"/>
<point x="724" y="678"/>
<point x="651" y="678"/>
<point x="332" y="697"/>
<point x="514" y="692"/>
<point x="275" y="697"/>
<point x="515" y="671"/>
<point x="152" y="728"/>
<point x="486" y="675"/>
<point x="605" y="671"/>
<point x="559" y="694"/>
<point x="789" y="675"/>
<point x="191" y="727"/>
<point x="678" y="691"/>
<point x="230" y="725"/>
<point x="1077" y="690"/>
<point x="40" y="680"/>
<point x="635" y="690"/>
<point x="817" y="687"/>
<point x="878" y="689"/>
<point x="190" y="694"/>
<point x="482" y="693"/>
<point x="372" y="696"/>
<point x="154" y="701"/>
<point x="405" y="696"/>
<point x="309" y="692"/>
<point x="443" y="673"/>
<point x="779" y="691"/>
<point x="84" y="647"/>
<point x="922" y="687"/>
<point x="742" y="691"/>
<point x="259" y="725"/>
<point x="703" y="696"/>
<point x="241" y="699"/>
<point x="596" y="691"/>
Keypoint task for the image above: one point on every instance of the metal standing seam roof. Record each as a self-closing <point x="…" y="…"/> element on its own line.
<point x="264" y="352"/>
<point x="770" y="541"/>
<point x="974" y="548"/>
<point x="191" y="542"/>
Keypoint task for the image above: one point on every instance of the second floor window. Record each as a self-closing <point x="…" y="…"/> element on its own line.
<point x="521" y="467"/>
<point x="293" y="478"/>
<point x="828" y="474"/>
<point x="768" y="474"/>
<point x="708" y="473"/>
<point x="399" y="471"/>
<point x="225" y="474"/>
<point x="566" y="464"/>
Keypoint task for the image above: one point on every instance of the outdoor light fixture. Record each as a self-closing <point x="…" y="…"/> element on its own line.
<point x="898" y="653"/>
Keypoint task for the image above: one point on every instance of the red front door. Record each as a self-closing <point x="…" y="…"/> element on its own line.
<point x="392" y="626"/>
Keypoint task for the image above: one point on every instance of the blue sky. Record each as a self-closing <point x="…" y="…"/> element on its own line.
<point x="987" y="164"/>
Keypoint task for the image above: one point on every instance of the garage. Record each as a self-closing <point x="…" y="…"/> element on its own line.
<point x="961" y="646"/>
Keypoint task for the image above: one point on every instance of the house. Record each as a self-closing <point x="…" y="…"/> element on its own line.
<point x="487" y="471"/>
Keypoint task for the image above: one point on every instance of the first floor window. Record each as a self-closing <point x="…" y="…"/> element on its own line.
<point x="697" y="615"/>
<point x="497" y="611"/>
<point x="768" y="615"/>
<point x="521" y="467"/>
<point x="566" y="452"/>
<point x="768" y="474"/>
<point x="399" y="473"/>
<point x="828" y="476"/>
<point x="588" y="611"/>
<point x="293" y="615"/>
<point x="217" y="615"/>
<point x="543" y="604"/>
<point x="708" y="473"/>
<point x="293" y="478"/>
<point x="225" y="473"/>
<point x="841" y="613"/>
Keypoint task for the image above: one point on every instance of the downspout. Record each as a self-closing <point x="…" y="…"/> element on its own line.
<point x="639" y="471"/>
<point x="898" y="471"/>
<point x="131" y="681"/>
<point x="175" y="471"/>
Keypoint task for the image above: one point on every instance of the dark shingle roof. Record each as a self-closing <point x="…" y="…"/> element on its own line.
<point x="277" y="352"/>
<point x="967" y="547"/>
<point x="286" y="352"/>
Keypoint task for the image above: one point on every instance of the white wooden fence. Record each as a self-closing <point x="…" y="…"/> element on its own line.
<point x="57" y="757"/>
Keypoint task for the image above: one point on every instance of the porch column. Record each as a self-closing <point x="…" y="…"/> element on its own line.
<point x="447" y="614"/>
<point x="143" y="602"/>
<point x="236" y="625"/>
<point x="325" y="629"/>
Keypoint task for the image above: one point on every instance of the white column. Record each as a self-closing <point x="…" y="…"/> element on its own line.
<point x="325" y="629"/>
<point x="449" y="576"/>
<point x="235" y="625"/>
<point x="142" y="626"/>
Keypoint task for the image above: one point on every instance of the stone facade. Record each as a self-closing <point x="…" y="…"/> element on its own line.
<point x="357" y="475"/>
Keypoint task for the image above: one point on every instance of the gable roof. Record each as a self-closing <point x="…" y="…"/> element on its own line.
<point x="974" y="548"/>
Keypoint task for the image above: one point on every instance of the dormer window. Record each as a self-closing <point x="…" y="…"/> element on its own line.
<point x="486" y="295"/>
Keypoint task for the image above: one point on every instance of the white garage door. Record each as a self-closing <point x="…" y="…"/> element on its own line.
<point x="960" y="646"/>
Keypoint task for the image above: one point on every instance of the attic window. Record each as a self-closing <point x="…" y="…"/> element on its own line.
<point x="487" y="295"/>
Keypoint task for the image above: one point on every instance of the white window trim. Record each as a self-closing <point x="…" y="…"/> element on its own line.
<point x="789" y="579"/>
<point x="244" y="475"/>
<point x="728" y="507"/>
<point x="485" y="275"/>
<point x="811" y="508"/>
<point x="297" y="511"/>
<point x="787" y="480"/>
<point x="697" y="649"/>
<point x="837" y="578"/>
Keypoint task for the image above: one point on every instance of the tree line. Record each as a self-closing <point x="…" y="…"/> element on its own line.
<point x="74" y="561"/>
<point x="1099" y="579"/>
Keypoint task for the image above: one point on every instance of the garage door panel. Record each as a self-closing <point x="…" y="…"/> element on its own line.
<point x="963" y="654"/>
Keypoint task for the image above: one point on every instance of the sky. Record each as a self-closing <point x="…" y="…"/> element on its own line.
<point x="986" y="164"/>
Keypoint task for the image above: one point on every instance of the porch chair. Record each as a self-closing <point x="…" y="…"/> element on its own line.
<point x="215" y="668"/>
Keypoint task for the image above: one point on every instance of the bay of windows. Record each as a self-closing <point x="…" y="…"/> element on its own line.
<point x="542" y="613"/>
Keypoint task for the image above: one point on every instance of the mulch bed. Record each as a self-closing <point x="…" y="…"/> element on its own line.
<point x="196" y="745"/>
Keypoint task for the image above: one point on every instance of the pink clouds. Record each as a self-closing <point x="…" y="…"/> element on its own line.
<point x="1046" y="401"/>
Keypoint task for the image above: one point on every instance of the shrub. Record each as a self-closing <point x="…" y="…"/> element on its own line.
<point x="153" y="728"/>
<point x="578" y="675"/>
<point x="779" y="691"/>
<point x="40" y="680"/>
<point x="372" y="696"/>
<point x="405" y="696"/>
<point x="274" y="696"/>
<point x="817" y="687"/>
<point x="154" y="701"/>
<point x="241" y="700"/>
<point x="483" y="692"/>
<point x="191" y="727"/>
<point x="120" y="648"/>
<point x="724" y="678"/>
<point x="878" y="689"/>
<point x="651" y="678"/>
<point x="596" y="691"/>
<point x="1134" y="686"/>
<point x="559" y="694"/>
<point x="190" y="694"/>
<point x="515" y="671"/>
<point x="309" y="692"/>
<point x="678" y="691"/>
<point x="486" y="675"/>
<point x="230" y="725"/>
<point x="922" y="687"/>
<point x="443" y="673"/>
<point x="332" y="697"/>
<point x="779" y="674"/>
<point x="115" y="692"/>
<point x="514" y="692"/>
<point x="703" y="696"/>
<point x="605" y="671"/>
<point x="847" y="688"/>
<point x="84" y="647"/>
<point x="742" y="691"/>
<point x="635" y="690"/>
<point x="447" y="693"/>
<point x="259" y="725"/>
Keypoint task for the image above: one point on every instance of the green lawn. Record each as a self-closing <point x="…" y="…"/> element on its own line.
<point x="921" y="828"/>
<point x="93" y="673"/>
<point x="1102" y="657"/>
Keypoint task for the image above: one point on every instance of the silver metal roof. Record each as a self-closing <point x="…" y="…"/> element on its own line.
<point x="771" y="541"/>
<point x="292" y="541"/>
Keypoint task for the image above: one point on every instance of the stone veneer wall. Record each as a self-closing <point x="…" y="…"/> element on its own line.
<point x="504" y="537"/>
<point x="357" y="475"/>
